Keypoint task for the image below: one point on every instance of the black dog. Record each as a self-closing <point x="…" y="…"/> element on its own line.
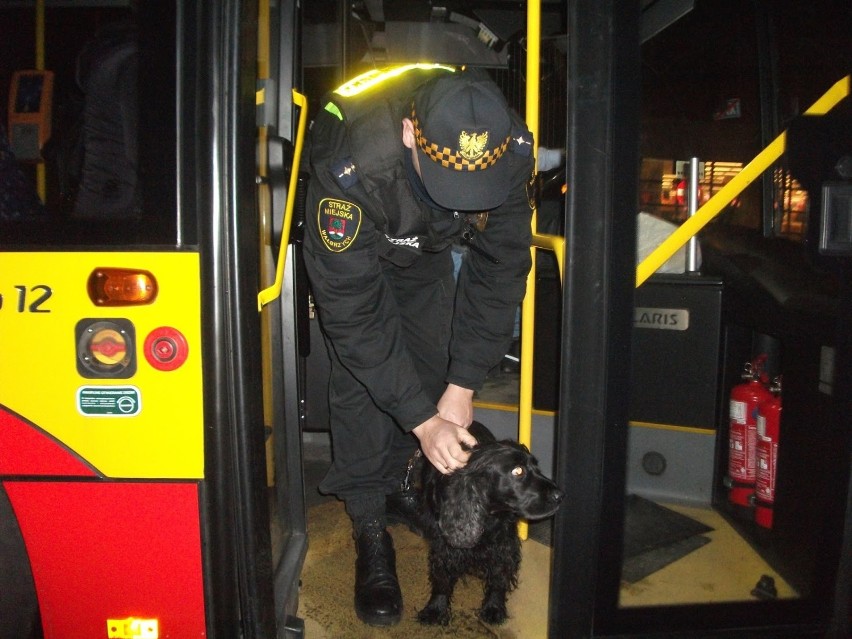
<point x="472" y="517"/>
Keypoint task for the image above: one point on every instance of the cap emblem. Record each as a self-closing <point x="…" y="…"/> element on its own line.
<point x="472" y="154"/>
<point x="472" y="145"/>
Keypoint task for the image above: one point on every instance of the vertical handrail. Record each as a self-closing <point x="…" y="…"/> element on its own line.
<point x="692" y="253"/>
<point x="528" y="306"/>
<point x="273" y="292"/>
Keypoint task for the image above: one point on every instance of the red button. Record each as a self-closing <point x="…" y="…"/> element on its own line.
<point x="166" y="348"/>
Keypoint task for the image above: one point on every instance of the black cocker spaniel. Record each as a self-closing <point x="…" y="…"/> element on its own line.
<point x="471" y="518"/>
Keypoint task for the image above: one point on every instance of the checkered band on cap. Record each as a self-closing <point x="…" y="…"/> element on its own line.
<point x="450" y="159"/>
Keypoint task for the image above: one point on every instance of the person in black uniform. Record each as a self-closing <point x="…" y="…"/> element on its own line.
<point x="400" y="170"/>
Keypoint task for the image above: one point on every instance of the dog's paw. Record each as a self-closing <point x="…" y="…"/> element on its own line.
<point x="434" y="616"/>
<point x="493" y="614"/>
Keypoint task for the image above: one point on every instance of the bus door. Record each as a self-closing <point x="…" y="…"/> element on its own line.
<point x="776" y="262"/>
<point x="137" y="493"/>
<point x="285" y="336"/>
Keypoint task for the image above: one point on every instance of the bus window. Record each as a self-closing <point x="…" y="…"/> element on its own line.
<point x="107" y="173"/>
<point x="700" y="103"/>
<point x="723" y="103"/>
<point x="762" y="67"/>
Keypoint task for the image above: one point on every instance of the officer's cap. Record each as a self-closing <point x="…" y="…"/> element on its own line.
<point x="462" y="129"/>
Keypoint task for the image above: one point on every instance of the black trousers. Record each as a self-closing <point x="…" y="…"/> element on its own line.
<point x="369" y="449"/>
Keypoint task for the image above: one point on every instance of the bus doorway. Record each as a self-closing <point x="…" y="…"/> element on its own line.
<point x="671" y="458"/>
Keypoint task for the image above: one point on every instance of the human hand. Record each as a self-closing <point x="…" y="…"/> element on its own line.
<point x="456" y="405"/>
<point x="441" y="442"/>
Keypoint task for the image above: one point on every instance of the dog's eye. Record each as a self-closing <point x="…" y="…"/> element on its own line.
<point x="518" y="471"/>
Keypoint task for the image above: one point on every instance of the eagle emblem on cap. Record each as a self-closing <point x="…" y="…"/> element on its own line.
<point x="472" y="145"/>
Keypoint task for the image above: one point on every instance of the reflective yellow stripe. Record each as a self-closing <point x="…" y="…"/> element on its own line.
<point x="376" y="76"/>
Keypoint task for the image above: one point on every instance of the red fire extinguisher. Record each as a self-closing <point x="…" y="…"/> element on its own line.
<point x="766" y="455"/>
<point x="742" y="436"/>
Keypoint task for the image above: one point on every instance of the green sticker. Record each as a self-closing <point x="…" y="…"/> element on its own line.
<point x="109" y="401"/>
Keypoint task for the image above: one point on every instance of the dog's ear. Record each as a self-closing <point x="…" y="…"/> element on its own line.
<point x="463" y="510"/>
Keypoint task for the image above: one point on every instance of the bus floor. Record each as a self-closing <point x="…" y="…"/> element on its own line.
<point x="724" y="569"/>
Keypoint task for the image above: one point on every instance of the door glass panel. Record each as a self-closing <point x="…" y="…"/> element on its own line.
<point x="721" y="474"/>
<point x="75" y="170"/>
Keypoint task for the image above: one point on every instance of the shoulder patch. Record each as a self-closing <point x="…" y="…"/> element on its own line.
<point x="344" y="173"/>
<point x="521" y="142"/>
<point x="339" y="222"/>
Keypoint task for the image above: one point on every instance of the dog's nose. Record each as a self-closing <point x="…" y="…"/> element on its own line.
<point x="556" y="495"/>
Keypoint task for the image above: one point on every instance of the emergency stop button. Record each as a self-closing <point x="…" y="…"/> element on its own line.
<point x="166" y="348"/>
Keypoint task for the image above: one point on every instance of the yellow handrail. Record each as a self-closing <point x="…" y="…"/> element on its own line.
<point x="738" y="183"/>
<point x="555" y="243"/>
<point x="528" y="306"/>
<point x="272" y="292"/>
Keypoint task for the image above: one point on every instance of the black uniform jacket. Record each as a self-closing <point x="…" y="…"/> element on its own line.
<point x="362" y="208"/>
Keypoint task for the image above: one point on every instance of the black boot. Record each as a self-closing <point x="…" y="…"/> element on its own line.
<point x="403" y="507"/>
<point x="378" y="599"/>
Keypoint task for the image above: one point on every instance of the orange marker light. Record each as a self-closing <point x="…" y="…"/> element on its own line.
<point x="121" y="287"/>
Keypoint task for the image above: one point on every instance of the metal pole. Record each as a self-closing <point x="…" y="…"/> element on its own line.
<point x="692" y="251"/>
